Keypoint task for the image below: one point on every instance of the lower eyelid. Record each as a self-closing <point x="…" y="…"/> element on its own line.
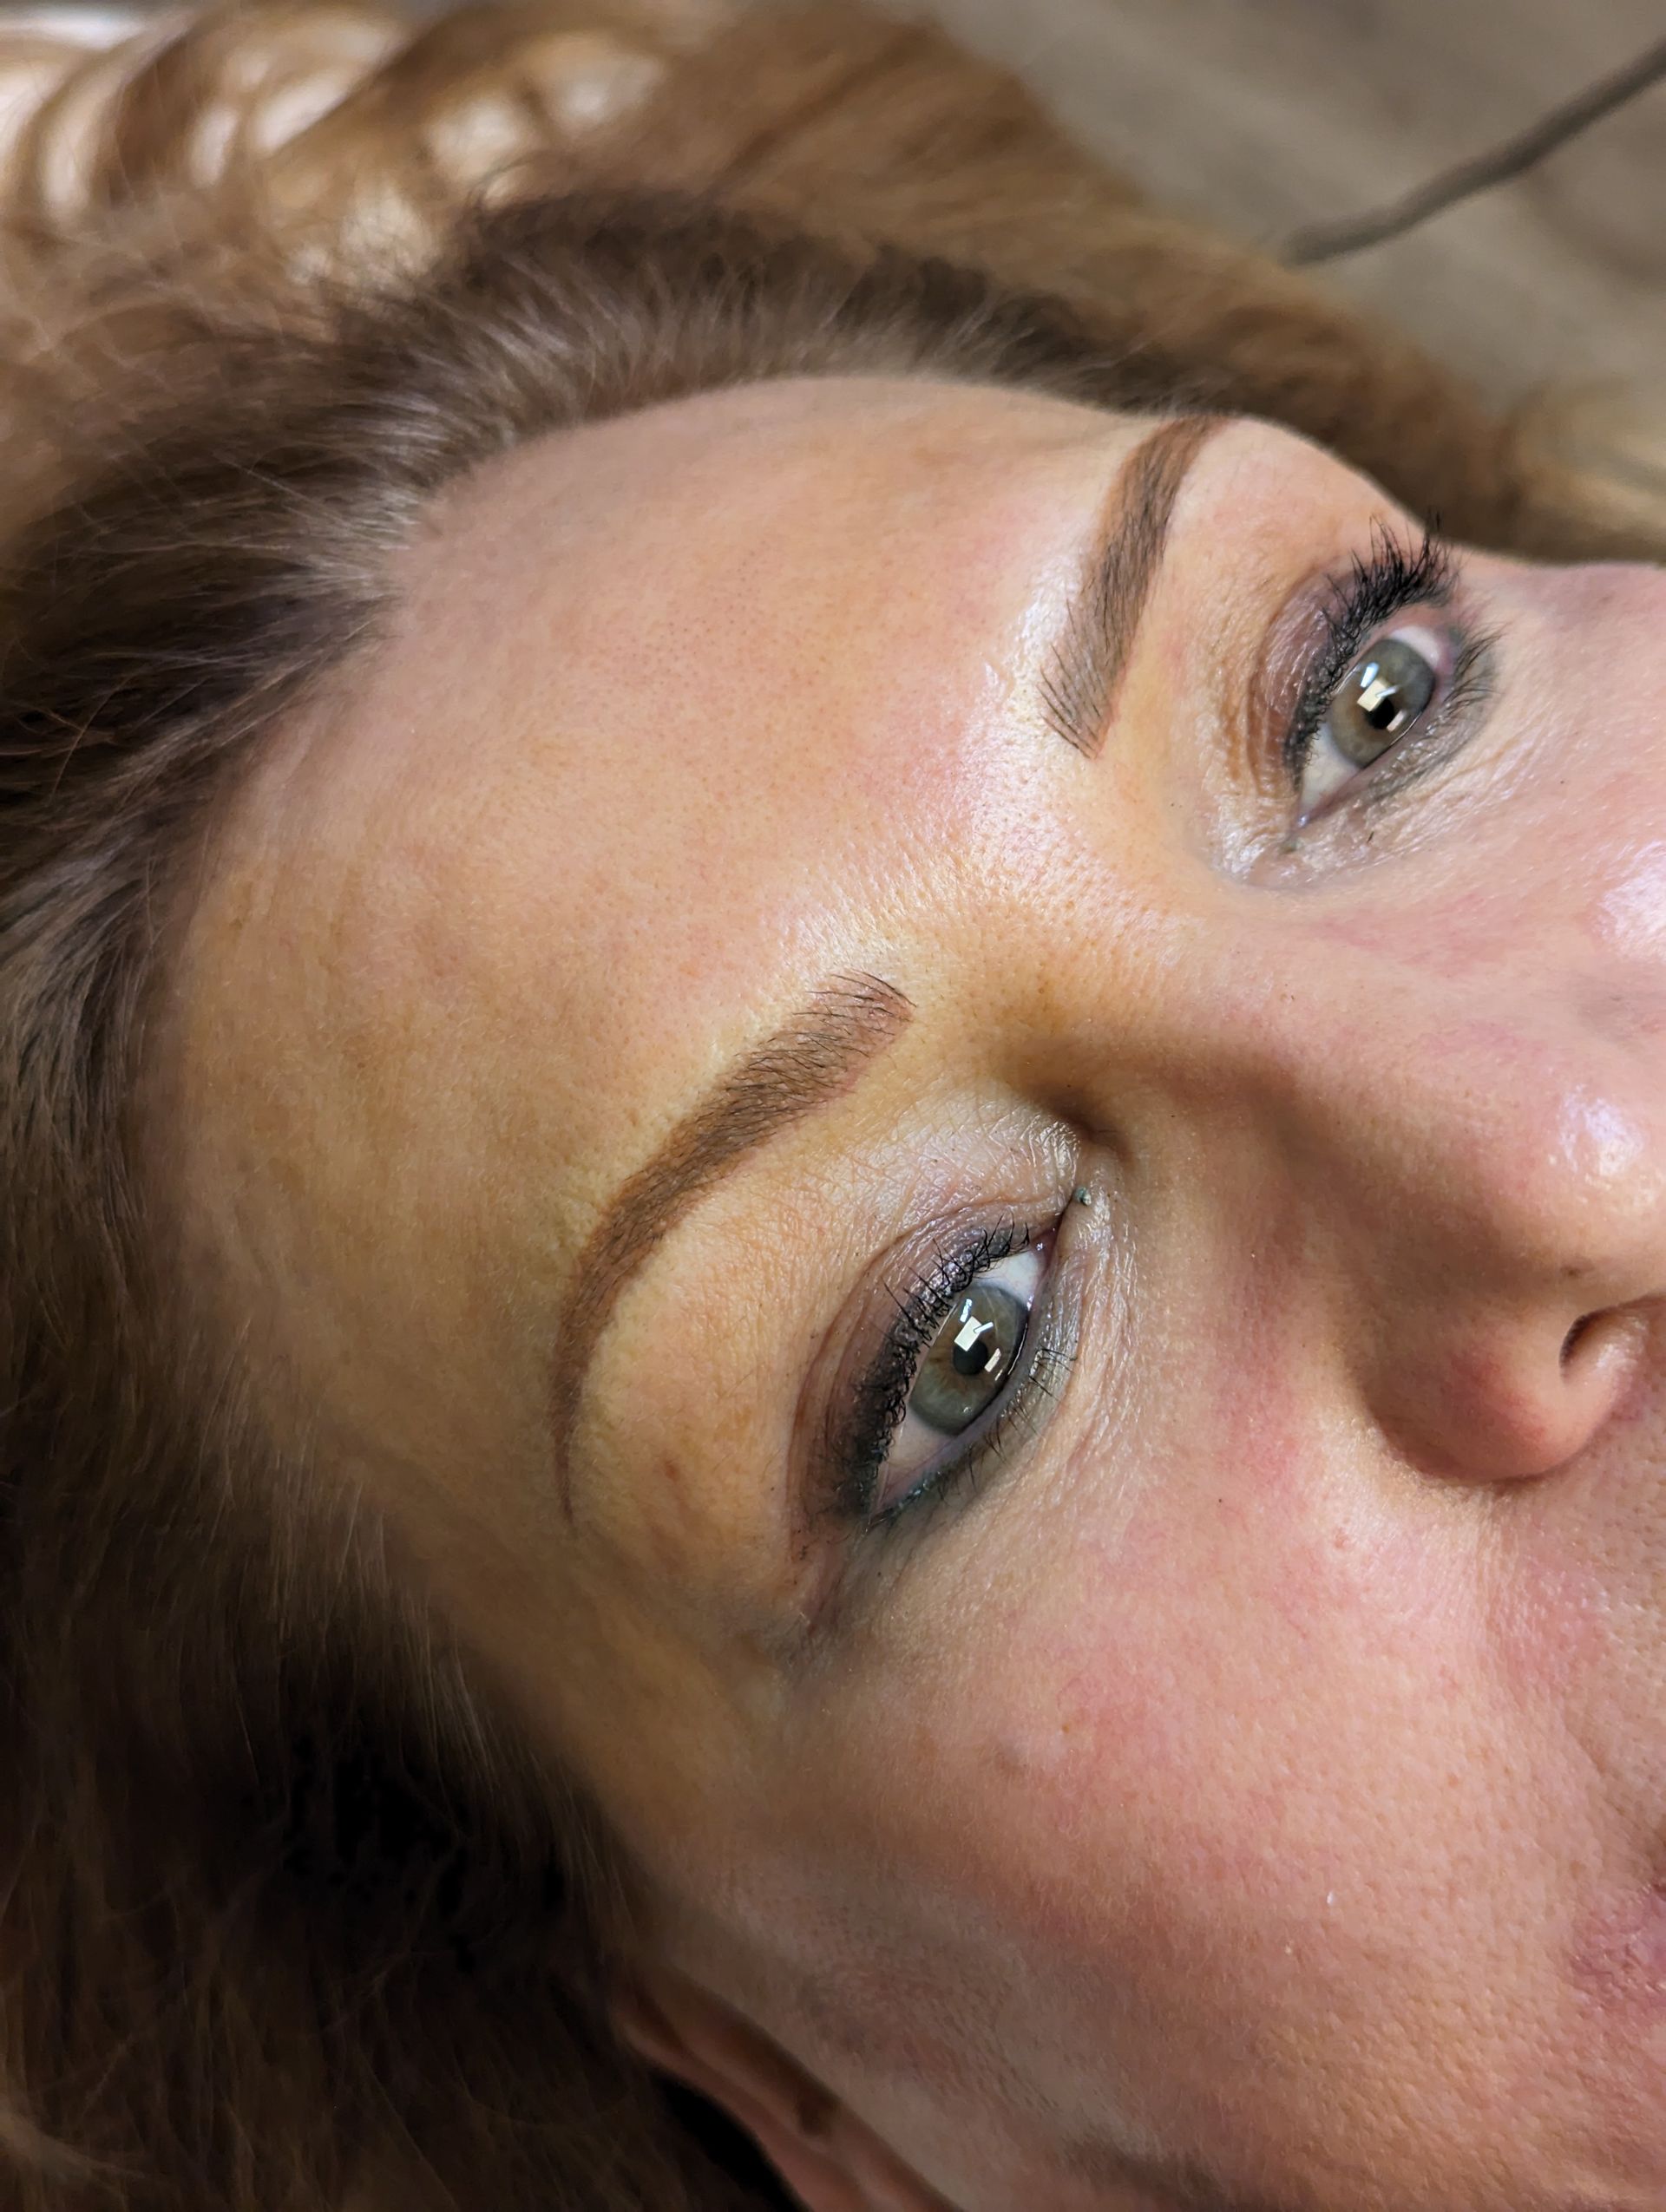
<point x="1442" y="734"/>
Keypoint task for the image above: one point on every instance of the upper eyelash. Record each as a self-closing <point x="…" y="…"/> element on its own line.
<point x="1394" y="577"/>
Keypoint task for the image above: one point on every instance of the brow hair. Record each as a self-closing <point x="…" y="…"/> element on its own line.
<point x="803" y="1065"/>
<point x="1078" y="688"/>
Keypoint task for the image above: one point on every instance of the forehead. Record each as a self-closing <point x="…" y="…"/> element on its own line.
<point x="673" y="715"/>
<point x="674" y="628"/>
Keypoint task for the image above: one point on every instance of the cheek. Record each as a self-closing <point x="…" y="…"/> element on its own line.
<point x="1215" y="1707"/>
<point x="1620" y="1956"/>
<point x="1250" y="1786"/>
<point x="1630" y="918"/>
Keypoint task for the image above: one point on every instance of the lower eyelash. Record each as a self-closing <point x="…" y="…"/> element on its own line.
<point x="1466" y="691"/>
<point x="963" y="1475"/>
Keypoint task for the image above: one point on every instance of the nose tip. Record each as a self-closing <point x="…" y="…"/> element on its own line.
<point x="1520" y="1402"/>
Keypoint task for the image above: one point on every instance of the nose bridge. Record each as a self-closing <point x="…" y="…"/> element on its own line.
<point x="1478" y="1171"/>
<point x="1494" y="1153"/>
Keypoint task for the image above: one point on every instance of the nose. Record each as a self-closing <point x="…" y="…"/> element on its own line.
<point x="1486" y="1202"/>
<point x="1505" y="1397"/>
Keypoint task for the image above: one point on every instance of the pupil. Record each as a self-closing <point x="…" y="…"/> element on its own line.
<point x="970" y="1358"/>
<point x="1386" y="711"/>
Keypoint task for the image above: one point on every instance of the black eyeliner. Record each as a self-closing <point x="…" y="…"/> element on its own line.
<point x="881" y="1399"/>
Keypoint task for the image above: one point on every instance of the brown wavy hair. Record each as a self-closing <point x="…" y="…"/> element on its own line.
<point x="290" y="1918"/>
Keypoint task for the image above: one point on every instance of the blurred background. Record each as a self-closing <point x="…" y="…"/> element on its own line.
<point x="1269" y="116"/>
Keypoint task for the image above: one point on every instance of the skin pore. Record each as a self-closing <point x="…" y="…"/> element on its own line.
<point x="1241" y="1779"/>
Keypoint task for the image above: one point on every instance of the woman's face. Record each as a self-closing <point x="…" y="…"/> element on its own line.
<point x="1007" y="1257"/>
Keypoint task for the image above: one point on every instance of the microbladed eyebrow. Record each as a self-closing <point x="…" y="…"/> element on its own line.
<point x="1096" y="641"/>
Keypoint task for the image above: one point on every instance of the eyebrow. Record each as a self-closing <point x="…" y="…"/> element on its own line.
<point x="804" y="1064"/>
<point x="1079" y="688"/>
<point x="852" y="1019"/>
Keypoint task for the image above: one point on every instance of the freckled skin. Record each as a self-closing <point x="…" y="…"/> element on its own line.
<point x="1263" y="1772"/>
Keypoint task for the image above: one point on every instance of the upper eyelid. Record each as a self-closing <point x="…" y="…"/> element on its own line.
<point x="1374" y="592"/>
<point x="798" y="1069"/>
<point x="1328" y="618"/>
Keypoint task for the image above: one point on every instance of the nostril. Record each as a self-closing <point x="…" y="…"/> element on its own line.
<point x="1599" y="1362"/>
<point x="1571" y="1342"/>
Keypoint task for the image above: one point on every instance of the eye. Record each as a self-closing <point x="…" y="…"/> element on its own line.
<point x="1380" y="699"/>
<point x="966" y="1369"/>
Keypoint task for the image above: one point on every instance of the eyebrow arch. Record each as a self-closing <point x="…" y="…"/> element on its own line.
<point x="1078" y="688"/>
<point x="805" y="1063"/>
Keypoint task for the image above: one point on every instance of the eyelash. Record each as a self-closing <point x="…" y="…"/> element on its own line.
<point x="883" y="1396"/>
<point x="1393" y="579"/>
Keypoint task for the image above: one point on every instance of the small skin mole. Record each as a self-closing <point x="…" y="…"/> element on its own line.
<point x="1620" y="1957"/>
